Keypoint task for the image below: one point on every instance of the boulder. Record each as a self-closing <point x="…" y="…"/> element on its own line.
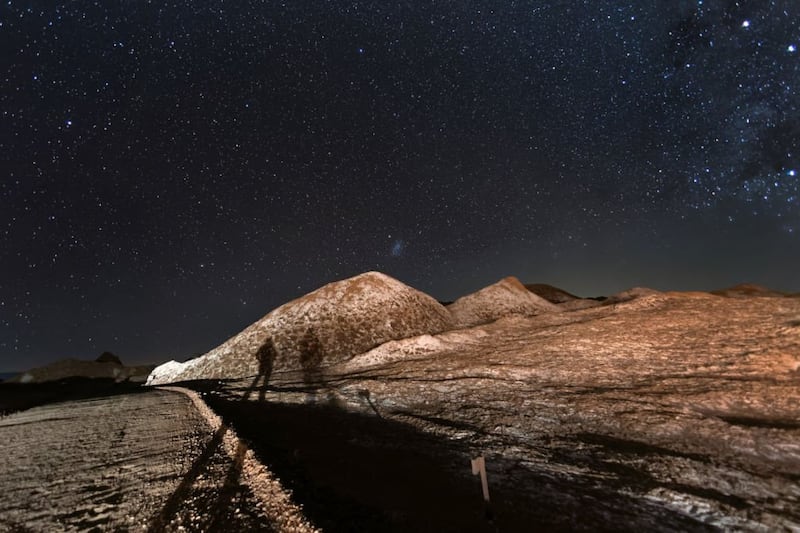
<point x="507" y="296"/>
<point x="327" y="326"/>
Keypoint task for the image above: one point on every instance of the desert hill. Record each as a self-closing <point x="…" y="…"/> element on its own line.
<point x="748" y="290"/>
<point x="350" y="317"/>
<point x="326" y="326"/>
<point x="507" y="296"/>
<point x="107" y="365"/>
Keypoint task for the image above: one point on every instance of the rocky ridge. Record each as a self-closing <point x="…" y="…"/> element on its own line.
<point x="749" y="290"/>
<point x="649" y="410"/>
<point x="507" y="296"/>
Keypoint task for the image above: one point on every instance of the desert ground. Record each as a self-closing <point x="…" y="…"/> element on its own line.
<point x="145" y="461"/>
<point x="650" y="411"/>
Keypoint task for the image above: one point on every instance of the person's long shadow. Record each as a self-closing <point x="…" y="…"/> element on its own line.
<point x="312" y="353"/>
<point x="265" y="355"/>
<point x="170" y="509"/>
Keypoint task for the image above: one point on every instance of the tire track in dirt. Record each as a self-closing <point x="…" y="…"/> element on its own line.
<point x="284" y="514"/>
<point x="132" y="462"/>
<point x="104" y="462"/>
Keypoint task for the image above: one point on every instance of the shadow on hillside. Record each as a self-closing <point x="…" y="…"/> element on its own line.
<point x="311" y="355"/>
<point x="266" y="356"/>
<point x="356" y="472"/>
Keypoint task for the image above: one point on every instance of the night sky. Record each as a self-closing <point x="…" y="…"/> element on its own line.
<point x="171" y="171"/>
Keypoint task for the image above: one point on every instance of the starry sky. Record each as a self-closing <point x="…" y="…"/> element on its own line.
<point x="171" y="171"/>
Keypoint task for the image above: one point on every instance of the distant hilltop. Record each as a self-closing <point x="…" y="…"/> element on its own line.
<point x="750" y="290"/>
<point x="107" y="365"/>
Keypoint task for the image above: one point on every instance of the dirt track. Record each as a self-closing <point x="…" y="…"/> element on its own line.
<point x="133" y="462"/>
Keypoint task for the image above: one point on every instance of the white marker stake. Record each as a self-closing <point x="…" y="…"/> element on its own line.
<point x="479" y="467"/>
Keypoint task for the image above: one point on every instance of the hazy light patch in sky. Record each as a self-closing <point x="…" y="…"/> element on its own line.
<point x="398" y="247"/>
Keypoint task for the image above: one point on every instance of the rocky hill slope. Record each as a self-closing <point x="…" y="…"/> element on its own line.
<point x="507" y="296"/>
<point x="326" y="326"/>
<point x="664" y="412"/>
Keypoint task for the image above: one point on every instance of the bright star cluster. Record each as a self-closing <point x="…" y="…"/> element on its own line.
<point x="172" y="171"/>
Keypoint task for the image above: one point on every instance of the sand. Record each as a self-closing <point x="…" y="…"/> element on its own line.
<point x="131" y="462"/>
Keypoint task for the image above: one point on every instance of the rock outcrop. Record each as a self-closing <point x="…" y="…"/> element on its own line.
<point x="507" y="296"/>
<point x="329" y="325"/>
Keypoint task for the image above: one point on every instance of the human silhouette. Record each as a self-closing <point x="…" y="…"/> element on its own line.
<point x="265" y="355"/>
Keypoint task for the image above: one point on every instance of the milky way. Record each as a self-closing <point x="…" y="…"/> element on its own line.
<point x="173" y="171"/>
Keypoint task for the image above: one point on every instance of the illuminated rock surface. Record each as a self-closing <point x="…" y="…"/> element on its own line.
<point x="506" y="297"/>
<point x="664" y="412"/>
<point x="670" y="411"/>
